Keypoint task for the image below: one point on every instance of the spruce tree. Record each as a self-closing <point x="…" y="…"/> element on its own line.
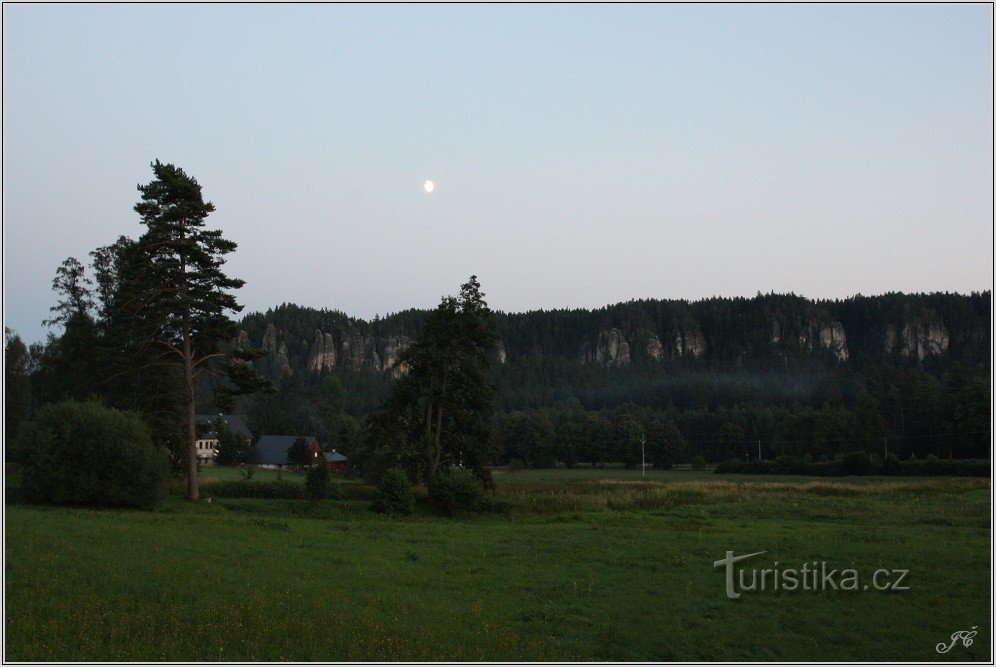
<point x="445" y="400"/>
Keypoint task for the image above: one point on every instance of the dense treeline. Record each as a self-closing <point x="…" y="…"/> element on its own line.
<point x="737" y="331"/>
<point x="948" y="418"/>
<point x="761" y="375"/>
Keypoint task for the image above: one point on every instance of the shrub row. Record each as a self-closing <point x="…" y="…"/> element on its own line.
<point x="244" y="488"/>
<point x="859" y="463"/>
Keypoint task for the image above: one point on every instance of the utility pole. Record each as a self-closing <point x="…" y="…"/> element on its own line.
<point x="643" y="455"/>
<point x="758" y="449"/>
<point x="885" y="441"/>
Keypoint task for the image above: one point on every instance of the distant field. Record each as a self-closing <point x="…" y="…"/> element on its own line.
<point x="590" y="474"/>
<point x="579" y="567"/>
<point x="676" y="474"/>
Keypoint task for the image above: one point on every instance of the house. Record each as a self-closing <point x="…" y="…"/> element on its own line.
<point x="207" y="447"/>
<point x="271" y="450"/>
<point x="207" y="441"/>
<point x="335" y="461"/>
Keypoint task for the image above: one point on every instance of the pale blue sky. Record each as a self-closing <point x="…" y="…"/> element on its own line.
<point x="583" y="155"/>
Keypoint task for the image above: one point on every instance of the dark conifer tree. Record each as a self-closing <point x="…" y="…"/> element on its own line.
<point x="182" y="301"/>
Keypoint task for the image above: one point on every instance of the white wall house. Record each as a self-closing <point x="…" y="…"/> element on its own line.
<point x="207" y="448"/>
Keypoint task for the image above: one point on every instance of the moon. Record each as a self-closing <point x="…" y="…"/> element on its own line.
<point x="429" y="186"/>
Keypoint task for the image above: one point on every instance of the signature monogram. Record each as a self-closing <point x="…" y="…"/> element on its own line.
<point x="963" y="636"/>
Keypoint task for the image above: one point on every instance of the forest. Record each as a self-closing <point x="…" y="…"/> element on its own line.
<point x="721" y="378"/>
<point x="906" y="374"/>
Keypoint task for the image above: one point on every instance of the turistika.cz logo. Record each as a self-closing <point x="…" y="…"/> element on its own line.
<point x="813" y="576"/>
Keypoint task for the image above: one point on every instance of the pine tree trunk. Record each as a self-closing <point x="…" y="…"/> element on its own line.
<point x="193" y="492"/>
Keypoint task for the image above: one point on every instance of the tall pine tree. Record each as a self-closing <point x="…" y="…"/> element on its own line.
<point x="185" y="297"/>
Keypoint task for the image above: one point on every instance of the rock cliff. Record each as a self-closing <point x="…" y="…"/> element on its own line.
<point x="322" y="355"/>
<point x="715" y="331"/>
<point x="828" y="336"/>
<point x="916" y="339"/>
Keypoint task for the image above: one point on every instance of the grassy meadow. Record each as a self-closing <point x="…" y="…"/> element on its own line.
<point x="579" y="565"/>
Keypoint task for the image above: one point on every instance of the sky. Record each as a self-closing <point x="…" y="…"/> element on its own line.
<point x="582" y="155"/>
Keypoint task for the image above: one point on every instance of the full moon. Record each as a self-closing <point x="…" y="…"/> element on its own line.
<point x="429" y="186"/>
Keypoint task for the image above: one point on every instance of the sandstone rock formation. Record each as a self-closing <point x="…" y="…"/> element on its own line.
<point x="390" y="348"/>
<point x="270" y="339"/>
<point x="655" y="349"/>
<point x="917" y="339"/>
<point x="832" y="338"/>
<point x="829" y="336"/>
<point x="282" y="361"/>
<point x="321" y="355"/>
<point x="611" y="348"/>
<point x="689" y="343"/>
<point x="776" y="333"/>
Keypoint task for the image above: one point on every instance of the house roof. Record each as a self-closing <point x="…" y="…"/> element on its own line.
<point x="333" y="456"/>
<point x="235" y="423"/>
<point x="272" y="449"/>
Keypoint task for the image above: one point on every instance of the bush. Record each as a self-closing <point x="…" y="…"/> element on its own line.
<point x="515" y="465"/>
<point x="698" y="463"/>
<point x="86" y="454"/>
<point x="786" y="464"/>
<point x="394" y="494"/>
<point x="244" y="488"/>
<point x="317" y="482"/>
<point x="891" y="465"/>
<point x="856" y="463"/>
<point x="456" y="492"/>
<point x="730" y="466"/>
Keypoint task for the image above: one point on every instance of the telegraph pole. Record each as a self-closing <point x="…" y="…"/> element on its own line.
<point x="758" y="449"/>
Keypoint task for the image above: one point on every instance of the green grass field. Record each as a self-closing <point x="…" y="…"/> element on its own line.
<point x="589" y="566"/>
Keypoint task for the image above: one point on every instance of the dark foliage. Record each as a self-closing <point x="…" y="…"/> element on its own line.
<point x="456" y="492"/>
<point x="87" y="454"/>
<point x="316" y="484"/>
<point x="17" y="387"/>
<point x="763" y="380"/>
<point x="394" y="494"/>
<point x="245" y="488"/>
<point x="233" y="447"/>
<point x="441" y="408"/>
<point x="298" y="453"/>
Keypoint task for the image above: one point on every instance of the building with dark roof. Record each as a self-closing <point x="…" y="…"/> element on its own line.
<point x="335" y="461"/>
<point x="271" y="450"/>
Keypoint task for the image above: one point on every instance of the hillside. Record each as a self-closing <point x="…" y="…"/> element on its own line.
<point x="801" y="376"/>
<point x="929" y="330"/>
